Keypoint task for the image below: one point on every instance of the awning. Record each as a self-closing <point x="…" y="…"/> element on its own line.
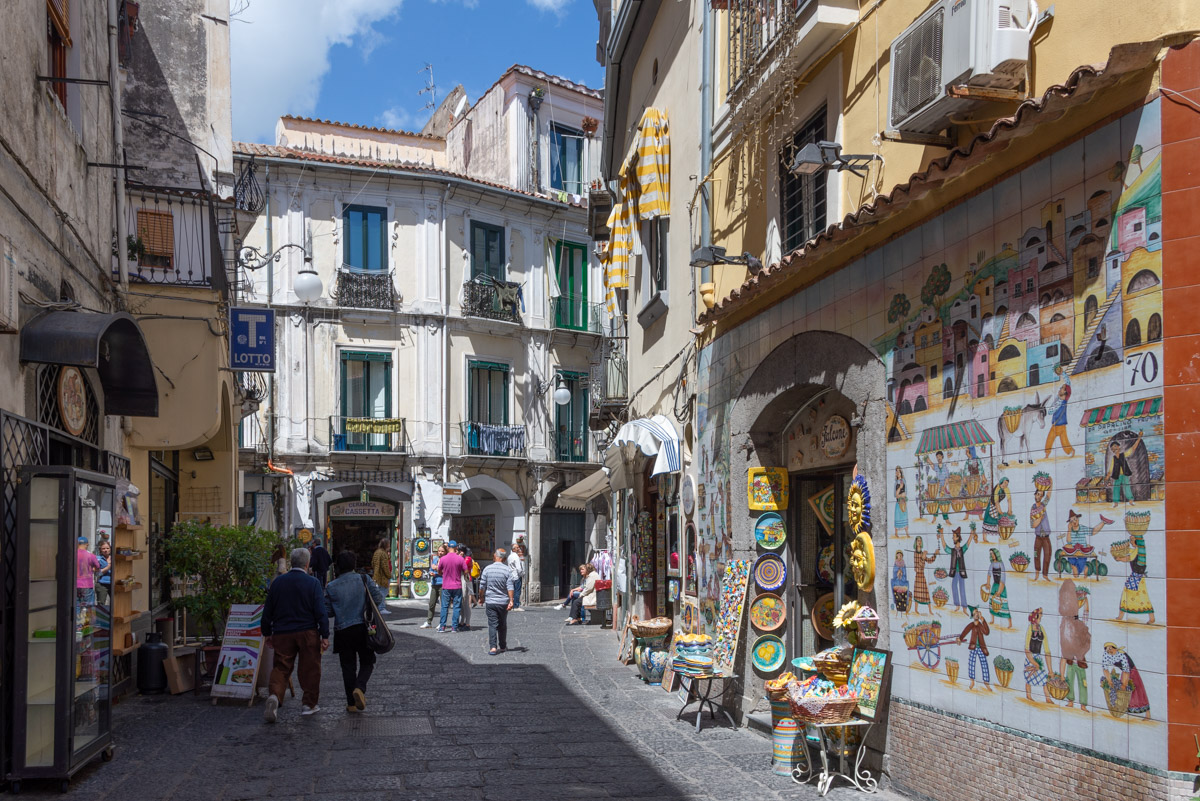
<point x="1115" y="413"/>
<point x="577" y="496"/>
<point x="654" y="436"/>
<point x="111" y="343"/>
<point x="953" y="436"/>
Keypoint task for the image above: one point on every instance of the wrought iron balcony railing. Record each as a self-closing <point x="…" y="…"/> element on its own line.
<point x="754" y="28"/>
<point x="574" y="314"/>
<point x="364" y="289"/>
<point x="492" y="439"/>
<point x="571" y="446"/>
<point x="173" y="238"/>
<point x="384" y="434"/>
<point x="491" y="299"/>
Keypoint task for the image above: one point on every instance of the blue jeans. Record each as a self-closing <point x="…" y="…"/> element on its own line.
<point x="958" y="586"/>
<point x="449" y="596"/>
<point x="517" y="592"/>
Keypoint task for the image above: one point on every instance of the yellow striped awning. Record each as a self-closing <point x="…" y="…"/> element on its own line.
<point x="649" y="166"/>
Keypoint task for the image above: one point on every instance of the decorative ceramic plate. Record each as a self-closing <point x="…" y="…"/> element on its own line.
<point x="823" y="615"/>
<point x="770" y="532"/>
<point x="770" y="572"/>
<point x="767" y="488"/>
<point x="421" y="545"/>
<point x="407" y="573"/>
<point x="768" y="612"/>
<point x="768" y="653"/>
<point x="421" y="589"/>
<point x="418" y="574"/>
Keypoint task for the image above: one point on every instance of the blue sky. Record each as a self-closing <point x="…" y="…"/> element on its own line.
<point x="361" y="60"/>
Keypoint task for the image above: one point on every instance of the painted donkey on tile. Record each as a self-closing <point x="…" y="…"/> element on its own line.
<point x="1015" y="425"/>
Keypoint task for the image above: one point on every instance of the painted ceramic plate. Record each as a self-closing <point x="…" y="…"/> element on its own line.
<point x="770" y="572"/>
<point x="768" y="653"/>
<point x="421" y="589"/>
<point x="418" y="574"/>
<point x="768" y="612"/>
<point x="823" y="615"/>
<point x="770" y="532"/>
<point x="421" y="545"/>
<point x="407" y="573"/>
<point x="767" y="488"/>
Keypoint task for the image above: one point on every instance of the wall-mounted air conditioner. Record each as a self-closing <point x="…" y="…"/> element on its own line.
<point x="9" y="311"/>
<point x="974" y="43"/>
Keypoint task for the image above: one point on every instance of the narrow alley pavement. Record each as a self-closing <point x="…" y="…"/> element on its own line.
<point x="555" y="718"/>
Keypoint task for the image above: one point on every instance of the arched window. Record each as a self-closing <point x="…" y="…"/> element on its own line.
<point x="1033" y="240"/>
<point x="1009" y="352"/>
<point x="1145" y="279"/>
<point x="1057" y="318"/>
<point x="1133" y="333"/>
<point x="905" y="407"/>
<point x="948" y="389"/>
<point x="1090" y="307"/>
<point x="920" y="404"/>
<point x="1035" y="375"/>
<point x="1154" y="328"/>
<point x="1026" y="319"/>
<point x="1006" y="385"/>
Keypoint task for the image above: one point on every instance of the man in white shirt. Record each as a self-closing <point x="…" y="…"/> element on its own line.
<point x="516" y="562"/>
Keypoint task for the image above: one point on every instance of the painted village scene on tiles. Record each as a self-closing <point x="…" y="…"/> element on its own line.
<point x="1025" y="455"/>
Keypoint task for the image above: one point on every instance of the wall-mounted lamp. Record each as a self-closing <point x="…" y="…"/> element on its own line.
<point x="203" y="454"/>
<point x="562" y="395"/>
<point x="709" y="255"/>
<point x="307" y="286"/>
<point x="817" y="156"/>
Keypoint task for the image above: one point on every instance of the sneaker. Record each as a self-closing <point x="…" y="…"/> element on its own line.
<point x="351" y="708"/>
<point x="426" y="625"/>
<point x="360" y="699"/>
<point x="310" y="710"/>
<point x="271" y="712"/>
<point x="560" y="606"/>
<point x="441" y="629"/>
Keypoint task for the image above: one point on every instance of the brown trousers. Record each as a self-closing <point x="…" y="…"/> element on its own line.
<point x="306" y="645"/>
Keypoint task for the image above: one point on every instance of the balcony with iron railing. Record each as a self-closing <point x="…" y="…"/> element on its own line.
<point x="493" y="439"/>
<point x="610" y="383"/>
<point x="573" y="446"/>
<point x="492" y="299"/>
<point x="377" y="434"/>
<point x="174" y="238"/>
<point x="575" y="314"/>
<point x="364" y="289"/>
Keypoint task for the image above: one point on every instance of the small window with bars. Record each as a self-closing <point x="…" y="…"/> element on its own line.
<point x="801" y="197"/>
<point x="156" y="230"/>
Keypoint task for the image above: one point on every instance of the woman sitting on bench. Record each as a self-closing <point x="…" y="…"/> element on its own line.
<point x="583" y="595"/>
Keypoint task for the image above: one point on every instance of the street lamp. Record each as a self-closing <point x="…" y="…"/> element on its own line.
<point x="562" y="395"/>
<point x="817" y="156"/>
<point x="307" y="286"/>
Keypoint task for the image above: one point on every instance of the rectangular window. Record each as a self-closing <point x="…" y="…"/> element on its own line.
<point x="566" y="159"/>
<point x="156" y="230"/>
<point x="58" y="34"/>
<point x="487" y="394"/>
<point x="487" y="250"/>
<point x="571" y="419"/>
<point x="654" y="257"/>
<point x="1029" y="285"/>
<point x="571" y="269"/>
<point x="1093" y="268"/>
<point x="364" y="237"/>
<point x="801" y="197"/>
<point x="366" y="393"/>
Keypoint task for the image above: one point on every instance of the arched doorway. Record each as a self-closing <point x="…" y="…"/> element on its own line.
<point x="492" y="517"/>
<point x="357" y="524"/>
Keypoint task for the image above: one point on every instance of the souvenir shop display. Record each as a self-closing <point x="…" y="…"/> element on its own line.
<point x="767" y="489"/>
<point x="770" y="532"/>
<point x="768" y="653"/>
<point x="732" y="609"/>
<point x="768" y="612"/>
<point x="770" y="572"/>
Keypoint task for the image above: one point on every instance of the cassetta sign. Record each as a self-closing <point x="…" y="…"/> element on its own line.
<point x="835" y="436"/>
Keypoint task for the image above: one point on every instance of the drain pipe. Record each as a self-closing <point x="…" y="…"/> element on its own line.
<point x="114" y="93"/>
<point x="445" y="340"/>
<point x="706" y="123"/>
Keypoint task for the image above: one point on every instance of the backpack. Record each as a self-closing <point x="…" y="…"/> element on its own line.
<point x="475" y="571"/>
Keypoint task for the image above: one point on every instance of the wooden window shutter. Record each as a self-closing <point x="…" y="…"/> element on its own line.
<point x="156" y="229"/>
<point x="60" y="19"/>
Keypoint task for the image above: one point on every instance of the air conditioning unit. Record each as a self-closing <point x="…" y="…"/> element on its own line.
<point x="976" y="43"/>
<point x="9" y="311"/>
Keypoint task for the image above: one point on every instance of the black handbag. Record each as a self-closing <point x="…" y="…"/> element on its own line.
<point x="379" y="636"/>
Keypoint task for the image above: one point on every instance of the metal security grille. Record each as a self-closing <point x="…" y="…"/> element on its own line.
<point x="47" y="404"/>
<point x="917" y="68"/>
<point x="801" y="197"/>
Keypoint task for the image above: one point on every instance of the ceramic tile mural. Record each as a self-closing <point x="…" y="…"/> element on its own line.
<point x="1021" y="335"/>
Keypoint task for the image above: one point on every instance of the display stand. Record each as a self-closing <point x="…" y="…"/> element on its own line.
<point x="124" y="553"/>
<point x="837" y="748"/>
<point x="700" y="692"/>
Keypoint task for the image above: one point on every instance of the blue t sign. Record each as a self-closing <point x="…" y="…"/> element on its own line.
<point x="252" y="340"/>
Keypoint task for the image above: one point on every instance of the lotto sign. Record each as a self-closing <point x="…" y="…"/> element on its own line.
<point x="252" y="340"/>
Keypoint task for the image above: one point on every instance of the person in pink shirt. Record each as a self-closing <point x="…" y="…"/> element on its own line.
<point x="451" y="568"/>
<point x="86" y="565"/>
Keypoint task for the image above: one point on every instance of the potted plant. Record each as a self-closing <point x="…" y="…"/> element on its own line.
<point x="222" y="566"/>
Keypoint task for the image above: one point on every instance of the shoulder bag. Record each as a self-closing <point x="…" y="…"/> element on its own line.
<point x="379" y="636"/>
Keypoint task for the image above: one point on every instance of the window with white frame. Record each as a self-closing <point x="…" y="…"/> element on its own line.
<point x="566" y="159"/>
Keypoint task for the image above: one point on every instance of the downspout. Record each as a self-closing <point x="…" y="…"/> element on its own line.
<point x="270" y="303"/>
<point x="706" y="123"/>
<point x="114" y="93"/>
<point x="445" y="270"/>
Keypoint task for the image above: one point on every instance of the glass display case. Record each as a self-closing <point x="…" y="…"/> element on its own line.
<point x="61" y="712"/>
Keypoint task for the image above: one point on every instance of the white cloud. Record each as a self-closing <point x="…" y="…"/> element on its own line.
<point x="554" y="6"/>
<point x="396" y="118"/>
<point x="280" y="55"/>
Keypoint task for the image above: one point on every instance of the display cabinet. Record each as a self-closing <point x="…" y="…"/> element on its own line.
<point x="61" y="668"/>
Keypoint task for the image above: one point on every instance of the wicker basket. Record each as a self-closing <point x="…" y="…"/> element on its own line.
<point x="1122" y="551"/>
<point x="777" y="695"/>
<point x="910" y="637"/>
<point x="651" y="628"/>
<point x="808" y="709"/>
<point x="1058" y="688"/>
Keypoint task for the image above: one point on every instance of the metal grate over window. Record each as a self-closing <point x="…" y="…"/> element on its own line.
<point x="801" y="197"/>
<point x="47" y="404"/>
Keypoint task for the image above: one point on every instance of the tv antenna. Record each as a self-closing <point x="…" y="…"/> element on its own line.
<point x="430" y="87"/>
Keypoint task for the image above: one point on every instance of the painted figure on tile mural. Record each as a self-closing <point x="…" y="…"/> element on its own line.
<point x="998" y="592"/>
<point x="1058" y="419"/>
<point x="958" y="566"/>
<point x="900" y="518"/>
<point x="1123" y="687"/>
<point x="1037" y="657"/>
<point x="1117" y="466"/>
<point x="977" y="650"/>
<point x="1078" y="549"/>
<point x="1040" y="522"/>
<point x="941" y="477"/>
<point x="991" y="515"/>
<point x="1075" y="640"/>
<point x="900" y="584"/>
<point x="920" y="587"/>
<point x="1015" y="428"/>
<point x="1135" y="600"/>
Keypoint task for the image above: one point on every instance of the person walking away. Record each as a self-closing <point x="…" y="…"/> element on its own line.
<point x="468" y="598"/>
<point x="586" y="596"/>
<point x="346" y="603"/>
<point x="499" y="586"/>
<point x="435" y="586"/>
<point x="86" y="565"/>
<point x="320" y="562"/>
<point x="476" y="584"/>
<point x="296" y="626"/>
<point x="516" y="561"/>
<point x="104" y="582"/>
<point x="451" y="567"/>
<point x="381" y="570"/>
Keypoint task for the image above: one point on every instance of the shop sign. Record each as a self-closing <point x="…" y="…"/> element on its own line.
<point x="452" y="498"/>
<point x="237" y="666"/>
<point x="835" y="436"/>
<point x="362" y="509"/>
<point x="72" y="400"/>
<point x="252" y="340"/>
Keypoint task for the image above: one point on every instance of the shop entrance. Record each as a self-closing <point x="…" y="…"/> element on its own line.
<point x="358" y="526"/>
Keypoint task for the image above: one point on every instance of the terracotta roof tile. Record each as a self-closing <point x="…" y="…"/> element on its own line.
<point x="356" y="126"/>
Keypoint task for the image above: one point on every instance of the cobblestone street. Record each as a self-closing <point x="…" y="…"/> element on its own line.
<point x="556" y="718"/>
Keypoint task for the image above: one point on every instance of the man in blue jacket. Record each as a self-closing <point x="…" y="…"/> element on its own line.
<point x="295" y="625"/>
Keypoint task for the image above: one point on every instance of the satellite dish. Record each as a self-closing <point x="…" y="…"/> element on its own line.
<point x="462" y="102"/>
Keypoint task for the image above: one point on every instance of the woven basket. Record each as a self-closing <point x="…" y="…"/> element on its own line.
<point x="1058" y="688"/>
<point x="1122" y="551"/>
<point x="910" y="637"/>
<point x="822" y="710"/>
<point x="651" y="628"/>
<point x="777" y="695"/>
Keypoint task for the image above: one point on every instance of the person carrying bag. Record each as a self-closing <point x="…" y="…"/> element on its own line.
<point x="359" y="630"/>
